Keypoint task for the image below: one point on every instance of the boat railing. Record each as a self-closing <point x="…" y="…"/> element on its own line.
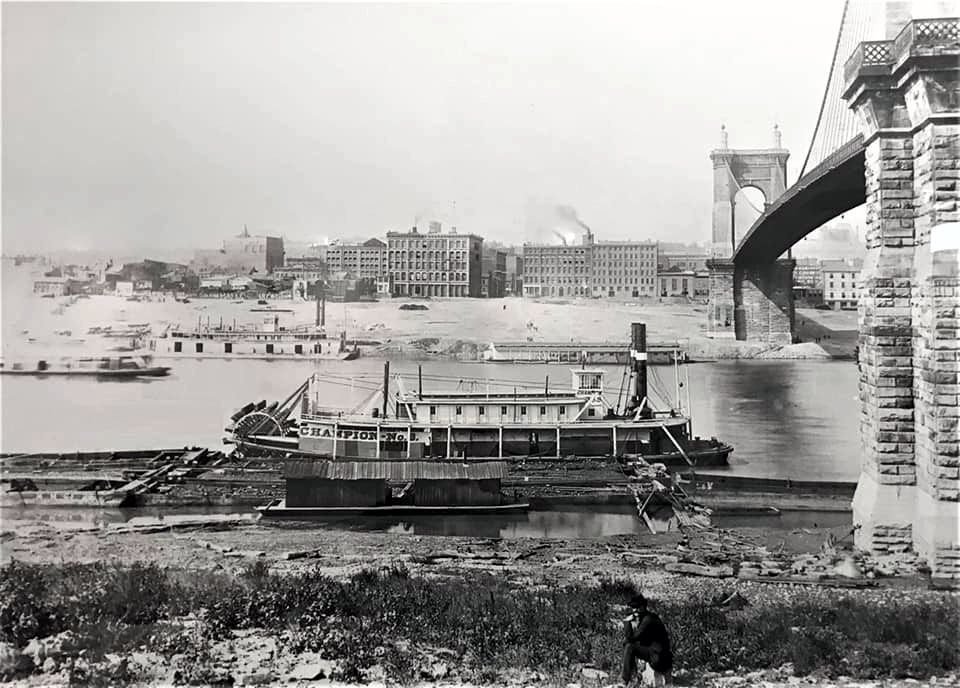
<point x="346" y="417"/>
<point x="242" y="333"/>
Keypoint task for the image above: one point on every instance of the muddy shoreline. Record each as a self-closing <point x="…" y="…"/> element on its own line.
<point x="762" y="566"/>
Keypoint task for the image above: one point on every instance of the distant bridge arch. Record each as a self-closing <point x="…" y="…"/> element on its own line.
<point x="735" y="170"/>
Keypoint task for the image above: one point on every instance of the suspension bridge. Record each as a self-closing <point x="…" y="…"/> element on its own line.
<point x="887" y="137"/>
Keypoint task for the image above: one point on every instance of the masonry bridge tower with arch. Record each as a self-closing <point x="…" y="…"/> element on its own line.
<point x="749" y="302"/>
<point x="888" y="138"/>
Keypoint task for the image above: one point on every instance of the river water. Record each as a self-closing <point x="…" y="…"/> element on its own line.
<point x="795" y="419"/>
<point x="792" y="419"/>
<point x="561" y="522"/>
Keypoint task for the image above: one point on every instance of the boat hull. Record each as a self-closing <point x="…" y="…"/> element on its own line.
<point x="156" y="371"/>
<point x="588" y="447"/>
<point x="335" y="356"/>
<point x="278" y="509"/>
<point x="64" y="498"/>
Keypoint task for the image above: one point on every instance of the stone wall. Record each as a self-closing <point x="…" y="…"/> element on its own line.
<point x="753" y="303"/>
<point x="764" y="298"/>
<point x="721" y="309"/>
<point x="909" y="490"/>
<point x="936" y="346"/>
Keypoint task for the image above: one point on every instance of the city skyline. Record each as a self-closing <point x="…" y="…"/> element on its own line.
<point x="317" y="120"/>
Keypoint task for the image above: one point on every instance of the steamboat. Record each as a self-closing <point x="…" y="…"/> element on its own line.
<point x="268" y="340"/>
<point x="405" y="424"/>
<point x="103" y="367"/>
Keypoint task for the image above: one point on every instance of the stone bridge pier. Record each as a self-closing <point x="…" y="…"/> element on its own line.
<point x="752" y="302"/>
<point x="906" y="94"/>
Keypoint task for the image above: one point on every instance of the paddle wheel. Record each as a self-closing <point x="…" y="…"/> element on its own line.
<point x="262" y="421"/>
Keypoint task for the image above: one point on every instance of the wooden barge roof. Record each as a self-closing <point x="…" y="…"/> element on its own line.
<point x="394" y="470"/>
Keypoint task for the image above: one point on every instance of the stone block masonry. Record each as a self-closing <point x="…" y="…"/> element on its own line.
<point x="753" y="303"/>
<point x="909" y="490"/>
<point x="721" y="309"/>
<point x="764" y="298"/>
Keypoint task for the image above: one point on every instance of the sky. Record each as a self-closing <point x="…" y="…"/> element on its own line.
<point x="136" y="126"/>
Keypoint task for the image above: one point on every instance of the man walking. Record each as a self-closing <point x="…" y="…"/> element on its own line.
<point x="645" y="639"/>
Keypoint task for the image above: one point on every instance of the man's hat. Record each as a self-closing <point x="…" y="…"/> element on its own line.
<point x="638" y="601"/>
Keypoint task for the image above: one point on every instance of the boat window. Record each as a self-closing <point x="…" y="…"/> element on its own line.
<point x="543" y="410"/>
<point x="481" y="410"/>
<point x="523" y="410"/>
<point x="503" y="410"/>
<point x="228" y="347"/>
<point x="433" y="410"/>
<point x="563" y="410"/>
<point x="459" y="410"/>
<point x="199" y="347"/>
<point x="591" y="412"/>
<point x="177" y="347"/>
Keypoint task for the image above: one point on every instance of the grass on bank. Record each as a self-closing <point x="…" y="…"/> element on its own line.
<point x="384" y="618"/>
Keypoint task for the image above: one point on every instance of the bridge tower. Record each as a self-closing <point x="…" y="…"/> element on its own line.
<point x="747" y="302"/>
<point x="906" y="94"/>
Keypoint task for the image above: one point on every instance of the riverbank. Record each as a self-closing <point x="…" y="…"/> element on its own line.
<point x="259" y="603"/>
<point x="457" y="329"/>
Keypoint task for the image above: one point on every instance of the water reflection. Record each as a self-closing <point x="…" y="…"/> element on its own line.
<point x="787" y="419"/>
<point x="567" y="523"/>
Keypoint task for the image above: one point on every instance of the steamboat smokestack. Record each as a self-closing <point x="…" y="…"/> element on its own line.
<point x="638" y="354"/>
<point x="386" y="386"/>
<point x="321" y="305"/>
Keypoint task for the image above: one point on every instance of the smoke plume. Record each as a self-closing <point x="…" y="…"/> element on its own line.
<point x="570" y="214"/>
<point x="549" y="222"/>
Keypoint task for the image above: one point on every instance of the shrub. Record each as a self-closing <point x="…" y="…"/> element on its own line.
<point x="491" y="625"/>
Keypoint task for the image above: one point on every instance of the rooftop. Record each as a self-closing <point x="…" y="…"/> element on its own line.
<point x="394" y="470"/>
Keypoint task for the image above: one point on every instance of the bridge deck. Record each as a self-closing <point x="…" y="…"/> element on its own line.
<point x="833" y="187"/>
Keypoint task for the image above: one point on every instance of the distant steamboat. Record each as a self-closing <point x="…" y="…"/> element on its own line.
<point x="267" y="341"/>
<point x="417" y="425"/>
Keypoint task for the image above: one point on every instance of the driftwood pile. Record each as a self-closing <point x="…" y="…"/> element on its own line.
<point x="652" y="483"/>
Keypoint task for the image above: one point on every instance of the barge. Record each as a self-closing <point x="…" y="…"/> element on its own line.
<point x="412" y="425"/>
<point x="278" y="509"/>
<point x="317" y="489"/>
<point x="580" y="352"/>
<point x="103" y="367"/>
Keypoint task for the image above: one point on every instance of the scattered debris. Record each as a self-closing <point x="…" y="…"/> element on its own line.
<point x="699" y="570"/>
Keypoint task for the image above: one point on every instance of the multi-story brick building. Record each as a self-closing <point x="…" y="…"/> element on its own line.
<point x="841" y="283"/>
<point x="493" y="274"/>
<point x="591" y="268"/>
<point x="550" y="270"/>
<point x="367" y="260"/>
<point x="807" y="274"/>
<point x="435" y="263"/>
<point x="625" y="268"/>
<point x="673" y="261"/>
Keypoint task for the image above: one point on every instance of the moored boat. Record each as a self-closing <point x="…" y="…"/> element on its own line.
<point x="580" y="421"/>
<point x="104" y="367"/>
<point x="62" y="498"/>
<point x="317" y="489"/>
<point x="268" y="340"/>
<point x="278" y="509"/>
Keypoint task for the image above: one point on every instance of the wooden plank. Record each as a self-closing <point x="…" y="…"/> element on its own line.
<point x="699" y="570"/>
<point x="801" y="580"/>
